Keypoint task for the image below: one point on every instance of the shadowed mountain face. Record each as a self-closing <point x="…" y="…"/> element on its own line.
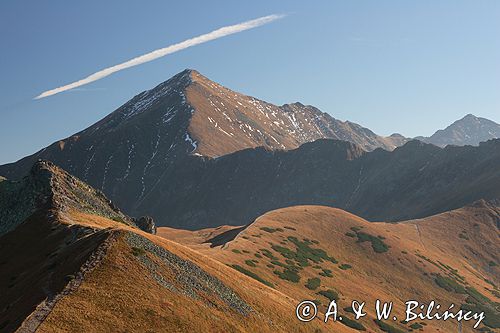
<point x="413" y="181"/>
<point x="470" y="130"/>
<point x="129" y="152"/>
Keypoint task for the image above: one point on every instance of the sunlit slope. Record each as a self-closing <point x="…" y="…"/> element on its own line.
<point x="314" y="252"/>
<point x="149" y="284"/>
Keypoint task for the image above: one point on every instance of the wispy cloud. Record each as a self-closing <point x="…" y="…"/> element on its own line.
<point x="221" y="32"/>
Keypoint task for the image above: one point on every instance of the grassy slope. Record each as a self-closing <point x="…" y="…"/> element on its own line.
<point x="407" y="270"/>
<point x="121" y="296"/>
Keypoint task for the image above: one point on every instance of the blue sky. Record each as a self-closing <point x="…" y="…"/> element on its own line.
<point x="393" y="66"/>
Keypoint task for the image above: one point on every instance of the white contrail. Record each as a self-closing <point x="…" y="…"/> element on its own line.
<point x="224" y="31"/>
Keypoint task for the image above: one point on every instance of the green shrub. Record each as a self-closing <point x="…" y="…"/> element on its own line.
<point x="330" y="294"/>
<point x="317" y="302"/>
<point x="288" y="275"/>
<point x="491" y="317"/>
<point x="345" y="267"/>
<point x="449" y="284"/>
<point x="378" y="244"/>
<point x="304" y="253"/>
<point x="349" y="309"/>
<point x="284" y="251"/>
<point x="250" y="263"/>
<point x="271" y="230"/>
<point x="236" y="251"/>
<point x="352" y="324"/>
<point x="476" y="295"/>
<point x="326" y="273"/>
<point x="268" y="254"/>
<point x="252" y="275"/>
<point x="313" y="283"/>
<point x="386" y="327"/>
<point x="350" y="234"/>
<point x="432" y="261"/>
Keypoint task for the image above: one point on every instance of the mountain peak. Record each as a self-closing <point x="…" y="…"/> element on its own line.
<point x="469" y="130"/>
<point x="469" y="118"/>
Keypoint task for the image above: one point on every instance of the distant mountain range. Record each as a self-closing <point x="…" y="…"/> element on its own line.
<point x="179" y="152"/>
<point x="470" y="130"/>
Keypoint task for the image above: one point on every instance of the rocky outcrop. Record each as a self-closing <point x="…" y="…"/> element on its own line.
<point x="146" y="223"/>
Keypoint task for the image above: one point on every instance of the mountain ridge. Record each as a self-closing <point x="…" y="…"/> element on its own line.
<point x="469" y="130"/>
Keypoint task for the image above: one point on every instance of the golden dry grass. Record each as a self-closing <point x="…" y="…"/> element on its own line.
<point x="418" y="248"/>
<point x="121" y="296"/>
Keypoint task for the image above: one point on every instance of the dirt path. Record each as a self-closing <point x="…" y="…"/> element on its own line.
<point x="419" y="235"/>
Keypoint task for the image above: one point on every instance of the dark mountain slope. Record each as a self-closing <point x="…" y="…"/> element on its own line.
<point x="413" y="181"/>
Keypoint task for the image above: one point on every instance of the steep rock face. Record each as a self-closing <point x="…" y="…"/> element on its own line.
<point x="470" y="130"/>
